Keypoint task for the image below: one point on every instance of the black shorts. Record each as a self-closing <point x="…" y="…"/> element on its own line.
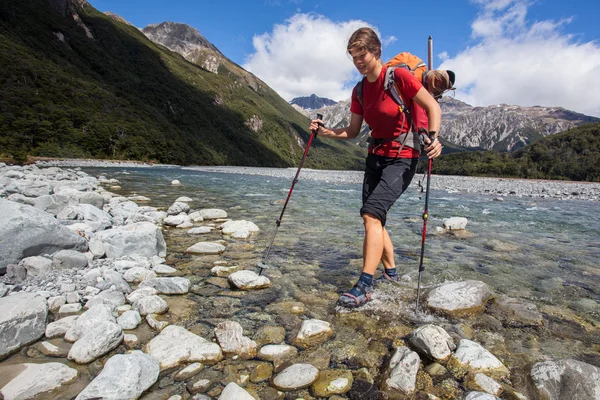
<point x="386" y="178"/>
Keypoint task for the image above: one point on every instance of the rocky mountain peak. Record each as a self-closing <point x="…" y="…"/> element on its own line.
<point x="312" y="102"/>
<point x="178" y="37"/>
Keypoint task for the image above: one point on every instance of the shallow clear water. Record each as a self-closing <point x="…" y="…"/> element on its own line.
<point x="540" y="250"/>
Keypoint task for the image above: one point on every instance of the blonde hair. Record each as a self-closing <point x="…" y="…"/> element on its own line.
<point x="365" y="39"/>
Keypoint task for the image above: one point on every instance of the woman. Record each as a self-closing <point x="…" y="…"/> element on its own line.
<point x="390" y="165"/>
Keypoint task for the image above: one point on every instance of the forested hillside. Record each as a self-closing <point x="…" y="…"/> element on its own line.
<point x="77" y="83"/>
<point x="572" y="155"/>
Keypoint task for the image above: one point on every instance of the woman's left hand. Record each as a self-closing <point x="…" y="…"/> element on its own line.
<point x="433" y="149"/>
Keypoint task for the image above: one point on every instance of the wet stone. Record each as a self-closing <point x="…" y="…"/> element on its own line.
<point x="54" y="348"/>
<point x="273" y="352"/>
<point x="313" y="332"/>
<point x="332" y="382"/>
<point x="188" y="372"/>
<point x="262" y="372"/>
<point x="269" y="335"/>
<point x="296" y="377"/>
<point x="248" y="280"/>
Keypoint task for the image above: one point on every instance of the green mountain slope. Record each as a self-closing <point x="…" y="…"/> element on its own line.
<point x="92" y="86"/>
<point x="572" y="155"/>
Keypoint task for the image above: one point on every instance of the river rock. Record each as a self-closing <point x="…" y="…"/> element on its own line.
<point x="129" y="319"/>
<point x="178" y="207"/>
<point x="459" y="299"/>
<point x="272" y="352"/>
<point x="142" y="239"/>
<point x="296" y="377"/>
<point x="566" y="379"/>
<point x="141" y="292"/>
<point x="223" y="271"/>
<point x="455" y="223"/>
<point x="332" y="382"/>
<point x="59" y="328"/>
<point x="480" y="396"/>
<point x="36" y="265"/>
<point x="176" y="345"/>
<point x="231" y="227"/>
<point x="433" y="341"/>
<point x="173" y="285"/>
<point x="22" y="321"/>
<point x="175" y="182"/>
<point x="138" y="274"/>
<point x="69" y="309"/>
<point x="55" y="302"/>
<point x="99" y="340"/>
<point x="312" y="333"/>
<point x="70" y="259"/>
<point x="33" y="380"/>
<point x="163" y="269"/>
<point x="59" y="348"/>
<point x="15" y="273"/>
<point x="234" y="392"/>
<point x="401" y="375"/>
<point x="150" y="305"/>
<point x="232" y="341"/>
<point x="517" y="313"/>
<point x="482" y="383"/>
<point x="248" y="280"/>
<point x="124" y="376"/>
<point x="188" y="372"/>
<point x="201" y="230"/>
<point x="51" y="204"/>
<point x="176" y="220"/>
<point x="86" y="321"/>
<point x="212" y="213"/>
<point x="472" y="357"/>
<point x="155" y="323"/>
<point x="206" y="248"/>
<point x="112" y="298"/>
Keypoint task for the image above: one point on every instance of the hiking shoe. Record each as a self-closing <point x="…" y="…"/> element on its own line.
<point x="351" y="301"/>
<point x="385" y="278"/>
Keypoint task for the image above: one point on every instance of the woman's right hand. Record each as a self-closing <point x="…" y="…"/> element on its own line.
<point x="314" y="124"/>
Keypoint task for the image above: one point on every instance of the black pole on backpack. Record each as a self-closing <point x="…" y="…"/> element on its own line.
<point x="429" y="166"/>
<point x="263" y="263"/>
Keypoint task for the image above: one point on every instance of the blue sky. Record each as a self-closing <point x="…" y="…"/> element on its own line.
<point x="503" y="51"/>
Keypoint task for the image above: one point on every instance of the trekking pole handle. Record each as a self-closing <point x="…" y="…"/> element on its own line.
<point x="319" y="116"/>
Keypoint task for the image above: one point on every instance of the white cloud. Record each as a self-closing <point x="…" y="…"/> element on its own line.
<point x="306" y="55"/>
<point x="526" y="63"/>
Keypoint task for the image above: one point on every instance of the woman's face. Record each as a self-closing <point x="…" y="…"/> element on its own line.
<point x="363" y="60"/>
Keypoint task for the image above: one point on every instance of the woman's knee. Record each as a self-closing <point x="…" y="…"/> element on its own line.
<point x="371" y="221"/>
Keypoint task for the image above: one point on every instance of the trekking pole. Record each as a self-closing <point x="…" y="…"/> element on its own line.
<point x="429" y="166"/>
<point x="263" y="263"/>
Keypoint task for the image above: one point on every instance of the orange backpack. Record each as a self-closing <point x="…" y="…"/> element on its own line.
<point x="409" y="61"/>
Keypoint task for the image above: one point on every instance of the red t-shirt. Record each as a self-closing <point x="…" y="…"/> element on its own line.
<point x="383" y="115"/>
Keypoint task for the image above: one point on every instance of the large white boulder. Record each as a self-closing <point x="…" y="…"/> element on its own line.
<point x="22" y="321"/>
<point x="33" y="380"/>
<point x="32" y="232"/>
<point x="142" y="239"/>
<point x="459" y="299"/>
<point x="124" y="376"/>
<point x="176" y="345"/>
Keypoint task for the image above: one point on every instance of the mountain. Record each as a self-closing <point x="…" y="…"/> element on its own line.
<point x="312" y="102"/>
<point x="78" y="83"/>
<point x="504" y="127"/>
<point x="464" y="127"/>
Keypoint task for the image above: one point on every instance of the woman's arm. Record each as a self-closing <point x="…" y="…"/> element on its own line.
<point x="432" y="108"/>
<point x="434" y="116"/>
<point x="349" y="132"/>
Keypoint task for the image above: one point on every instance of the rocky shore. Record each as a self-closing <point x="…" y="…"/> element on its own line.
<point x="89" y="302"/>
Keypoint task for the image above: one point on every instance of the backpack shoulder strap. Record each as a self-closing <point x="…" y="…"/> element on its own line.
<point x="359" y="92"/>
<point x="390" y="85"/>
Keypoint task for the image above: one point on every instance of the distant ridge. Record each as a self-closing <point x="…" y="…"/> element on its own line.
<point x="312" y="102"/>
